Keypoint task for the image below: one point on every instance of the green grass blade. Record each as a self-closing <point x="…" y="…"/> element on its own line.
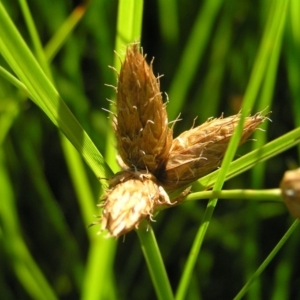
<point x="267" y="260"/>
<point x="55" y="45"/>
<point x="292" y="59"/>
<point x="251" y="242"/>
<point x="284" y="270"/>
<point x="191" y="56"/>
<point x="250" y="96"/>
<point x="129" y="27"/>
<point x="155" y="263"/>
<point x="98" y="271"/>
<point x="19" y="57"/>
<point x="9" y="107"/>
<point x="60" y="36"/>
<point x="34" y="37"/>
<point x="211" y="89"/>
<point x="169" y="24"/>
<point x="26" y="269"/>
<point x="273" y="27"/>
<point x="13" y="80"/>
<point x="45" y="95"/>
<point x="81" y="185"/>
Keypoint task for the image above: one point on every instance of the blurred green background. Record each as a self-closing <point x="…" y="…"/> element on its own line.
<point x="206" y="51"/>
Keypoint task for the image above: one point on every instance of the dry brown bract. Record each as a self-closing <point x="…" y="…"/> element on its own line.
<point x="147" y="148"/>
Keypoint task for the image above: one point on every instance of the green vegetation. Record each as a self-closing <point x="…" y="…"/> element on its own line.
<point x="57" y="144"/>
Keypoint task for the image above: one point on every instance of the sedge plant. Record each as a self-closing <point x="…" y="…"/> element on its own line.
<point x="52" y="180"/>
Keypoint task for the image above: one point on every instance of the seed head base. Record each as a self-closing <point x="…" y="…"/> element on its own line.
<point x="131" y="198"/>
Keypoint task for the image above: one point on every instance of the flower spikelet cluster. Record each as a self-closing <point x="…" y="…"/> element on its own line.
<point x="152" y="161"/>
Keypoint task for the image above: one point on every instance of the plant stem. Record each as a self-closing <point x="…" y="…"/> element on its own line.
<point x="155" y="263"/>
<point x="267" y="260"/>
<point x="255" y="195"/>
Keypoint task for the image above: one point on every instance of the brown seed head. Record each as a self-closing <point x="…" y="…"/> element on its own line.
<point x="132" y="197"/>
<point x="198" y="151"/>
<point x="290" y="189"/>
<point x="143" y="136"/>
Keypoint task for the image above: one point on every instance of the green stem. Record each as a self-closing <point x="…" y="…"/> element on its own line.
<point x="267" y="260"/>
<point x="254" y="195"/>
<point x="155" y="263"/>
<point x="14" y="81"/>
<point x="38" y="48"/>
<point x="252" y="90"/>
<point x="60" y="36"/>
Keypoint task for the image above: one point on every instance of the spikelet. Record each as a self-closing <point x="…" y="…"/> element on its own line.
<point x="132" y="197"/>
<point x="290" y="190"/>
<point x="141" y="125"/>
<point x="198" y="151"/>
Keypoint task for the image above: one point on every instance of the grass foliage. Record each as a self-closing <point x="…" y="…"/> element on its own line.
<point x="57" y="144"/>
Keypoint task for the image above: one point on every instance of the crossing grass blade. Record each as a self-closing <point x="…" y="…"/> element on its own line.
<point x="44" y="94"/>
<point x="274" y="27"/>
